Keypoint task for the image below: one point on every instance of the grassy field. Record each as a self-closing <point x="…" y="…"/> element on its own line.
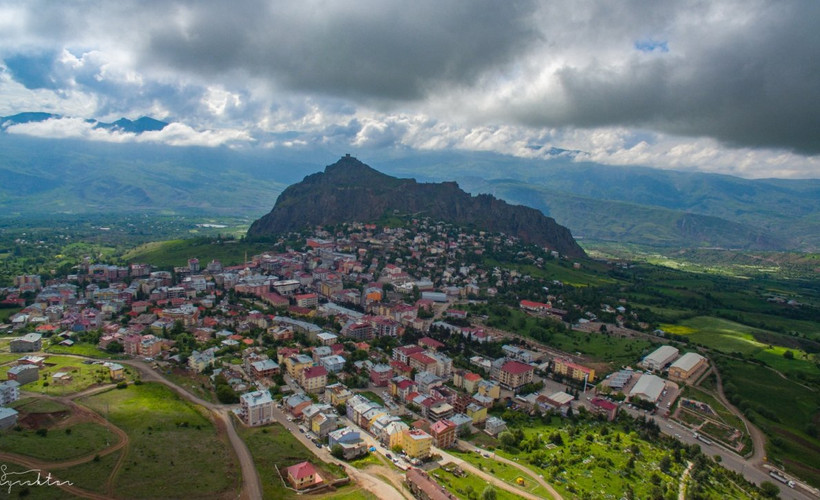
<point x="506" y="473"/>
<point x="16" y="472"/>
<point x="83" y="376"/>
<point x="466" y="485"/>
<point x="61" y="443"/>
<point x="273" y="445"/>
<point x="174" y="449"/>
<point x="7" y="312"/>
<point x="764" y="396"/>
<point x="730" y="337"/>
<point x="166" y="254"/>
<point x="80" y="349"/>
<point x="192" y="383"/>
<point x="372" y="396"/>
<point x="92" y="475"/>
<point x="38" y="405"/>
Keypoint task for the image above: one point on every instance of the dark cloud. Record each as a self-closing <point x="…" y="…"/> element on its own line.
<point x="370" y="49"/>
<point x="35" y="71"/>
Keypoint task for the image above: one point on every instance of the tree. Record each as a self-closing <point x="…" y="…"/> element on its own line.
<point x="337" y="451"/>
<point x="788" y="354"/>
<point x="769" y="489"/>
<point x="488" y="493"/>
<point x="114" y="348"/>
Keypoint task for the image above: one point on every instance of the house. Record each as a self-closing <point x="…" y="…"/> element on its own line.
<point x="427" y="381"/>
<point x="349" y="439"/>
<point x="659" y="358"/>
<point x="416" y="443"/>
<point x="536" y="307"/>
<point x="560" y="401"/>
<point x="303" y="475"/>
<point x="686" y="366"/>
<point x="256" y="408"/>
<point x="313" y="379"/>
<point x="477" y="413"/>
<point x="24" y="374"/>
<point x="8" y="417"/>
<point x="463" y="423"/>
<point x="30" y="342"/>
<point x="422" y="362"/>
<point x="487" y="388"/>
<point x="430" y="343"/>
<point x="327" y="338"/>
<point x="61" y="378"/>
<point x="439" y="411"/>
<point x="444" y="433"/>
<point x="380" y="375"/>
<point x="199" y="360"/>
<point x="401" y="386"/>
<point x="392" y="434"/>
<point x="337" y="394"/>
<point x="323" y="423"/>
<point x="495" y="426"/>
<point x="115" y="371"/>
<point x="264" y="368"/>
<point x="307" y="300"/>
<point x="9" y="392"/>
<point x="513" y="374"/>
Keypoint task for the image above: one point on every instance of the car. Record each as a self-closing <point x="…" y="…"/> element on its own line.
<point x="318" y="444"/>
<point x="301" y="430"/>
<point x="389" y="456"/>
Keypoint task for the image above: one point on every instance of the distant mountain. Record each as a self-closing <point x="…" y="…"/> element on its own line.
<point x="138" y="126"/>
<point x="350" y="191"/>
<point x="28" y="117"/>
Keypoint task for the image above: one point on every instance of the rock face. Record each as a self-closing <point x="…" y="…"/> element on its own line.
<point x="350" y="191"/>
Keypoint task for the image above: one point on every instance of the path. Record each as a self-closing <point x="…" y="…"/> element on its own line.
<point x="470" y="447"/>
<point x="683" y="477"/>
<point x="251" y="484"/>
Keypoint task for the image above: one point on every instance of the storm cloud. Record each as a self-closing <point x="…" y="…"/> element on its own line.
<point x="621" y="81"/>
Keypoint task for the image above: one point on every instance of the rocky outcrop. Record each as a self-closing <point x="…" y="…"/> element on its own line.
<point x="350" y="191"/>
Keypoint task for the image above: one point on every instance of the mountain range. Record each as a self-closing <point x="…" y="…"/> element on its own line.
<point x="350" y="191"/>
<point x="596" y="202"/>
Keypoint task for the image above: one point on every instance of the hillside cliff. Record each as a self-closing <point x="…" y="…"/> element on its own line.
<point x="350" y="191"/>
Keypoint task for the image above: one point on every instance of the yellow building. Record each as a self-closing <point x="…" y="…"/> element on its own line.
<point x="416" y="443"/>
<point x="488" y="388"/>
<point x="572" y="370"/>
<point x="296" y="364"/>
<point x="476" y="412"/>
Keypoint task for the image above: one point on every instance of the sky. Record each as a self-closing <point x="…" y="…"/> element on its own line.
<point x="715" y="86"/>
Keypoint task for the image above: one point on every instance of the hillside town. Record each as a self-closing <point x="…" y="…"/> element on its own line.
<point x="364" y="337"/>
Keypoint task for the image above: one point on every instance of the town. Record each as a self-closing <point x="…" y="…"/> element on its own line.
<point x="372" y="340"/>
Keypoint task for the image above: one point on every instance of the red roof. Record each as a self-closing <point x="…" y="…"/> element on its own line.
<point x="430" y="342"/>
<point x="604" y="404"/>
<point x="516" y="367"/>
<point x="315" y="371"/>
<point x="422" y="358"/>
<point x="301" y="470"/>
<point x="472" y="377"/>
<point x="534" y="305"/>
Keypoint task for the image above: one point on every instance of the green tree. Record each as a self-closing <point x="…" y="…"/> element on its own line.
<point x="337" y="451"/>
<point x="488" y="493"/>
<point x="769" y="489"/>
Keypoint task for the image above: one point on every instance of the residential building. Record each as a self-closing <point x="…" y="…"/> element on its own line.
<point x="303" y="475"/>
<point x="256" y="408"/>
<point x="337" y="394"/>
<point x="314" y="379"/>
<point x="487" y="388"/>
<point x="31" y="342"/>
<point x="307" y="300"/>
<point x="380" y="375"/>
<point x="513" y="374"/>
<point x="296" y="364"/>
<point x="444" y="433"/>
<point x="115" y="370"/>
<point x="8" y="417"/>
<point x="9" y="392"/>
<point x="440" y="411"/>
<point x="476" y="412"/>
<point x="422" y="362"/>
<point x="572" y="370"/>
<point x="604" y="407"/>
<point x="199" y="360"/>
<point x="264" y="368"/>
<point x="463" y="423"/>
<point x="349" y="439"/>
<point x="495" y="426"/>
<point x="416" y="443"/>
<point x="424" y="488"/>
<point x="333" y="363"/>
<point x="393" y="434"/>
<point x="24" y="374"/>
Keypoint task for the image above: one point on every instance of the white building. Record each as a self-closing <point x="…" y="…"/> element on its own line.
<point x="648" y="387"/>
<point x="256" y="408"/>
<point x="660" y="357"/>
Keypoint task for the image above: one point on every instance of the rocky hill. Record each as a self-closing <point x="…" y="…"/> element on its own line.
<point x="349" y="191"/>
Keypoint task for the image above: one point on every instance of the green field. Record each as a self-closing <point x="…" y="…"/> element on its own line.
<point x="167" y="254"/>
<point x="21" y="473"/>
<point x="92" y="475"/>
<point x="785" y="410"/>
<point x="79" y="349"/>
<point x="62" y="443"/>
<point x="7" y="312"/>
<point x="731" y="337"/>
<point x="467" y="485"/>
<point x="505" y="472"/>
<point x="174" y="449"/>
<point x="273" y="446"/>
<point x="83" y="376"/>
<point x="38" y="405"/>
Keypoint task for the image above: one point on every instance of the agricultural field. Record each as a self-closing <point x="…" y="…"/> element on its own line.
<point x="79" y="349"/>
<point x="273" y="446"/>
<point x="174" y="450"/>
